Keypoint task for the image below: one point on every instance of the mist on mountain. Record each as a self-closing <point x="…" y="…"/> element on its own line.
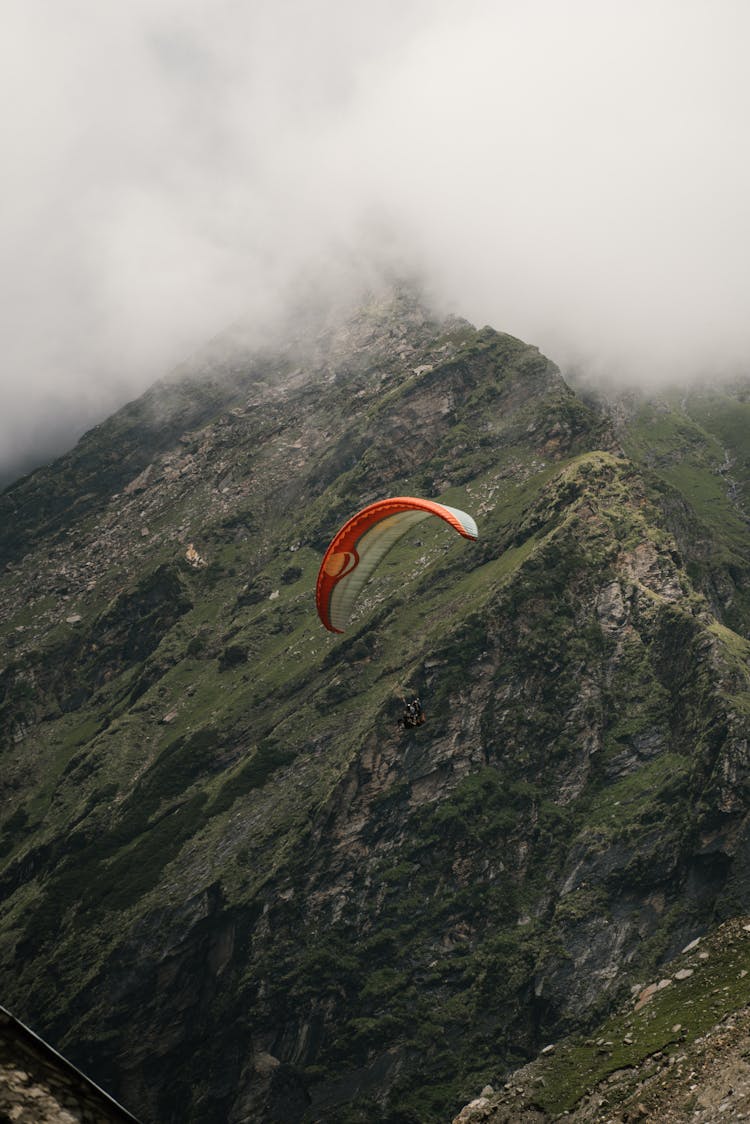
<point x="575" y="176"/>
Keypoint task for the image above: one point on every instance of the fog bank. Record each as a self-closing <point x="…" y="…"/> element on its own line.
<point x="576" y="174"/>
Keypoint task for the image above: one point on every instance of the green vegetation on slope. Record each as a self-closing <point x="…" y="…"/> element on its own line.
<point x="210" y="814"/>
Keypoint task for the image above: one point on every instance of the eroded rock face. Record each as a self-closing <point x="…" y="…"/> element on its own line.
<point x="605" y="889"/>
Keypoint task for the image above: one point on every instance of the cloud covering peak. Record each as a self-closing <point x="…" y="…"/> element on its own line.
<point x="575" y="174"/>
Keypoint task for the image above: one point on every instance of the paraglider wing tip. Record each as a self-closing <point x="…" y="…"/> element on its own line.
<point x="463" y="522"/>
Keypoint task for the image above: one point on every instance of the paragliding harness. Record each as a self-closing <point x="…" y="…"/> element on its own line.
<point x="413" y="715"/>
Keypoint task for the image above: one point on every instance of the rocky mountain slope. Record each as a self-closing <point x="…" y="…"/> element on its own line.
<point x="234" y="889"/>
<point x="642" y="1063"/>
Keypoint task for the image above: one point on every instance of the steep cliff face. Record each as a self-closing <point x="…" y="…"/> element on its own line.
<point x="235" y="889"/>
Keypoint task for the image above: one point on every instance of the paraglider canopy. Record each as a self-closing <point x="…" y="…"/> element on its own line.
<point x="362" y="543"/>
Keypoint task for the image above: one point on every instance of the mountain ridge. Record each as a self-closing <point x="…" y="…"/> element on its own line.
<point x="219" y="855"/>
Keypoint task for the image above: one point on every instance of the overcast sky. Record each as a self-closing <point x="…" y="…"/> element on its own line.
<point x="575" y="173"/>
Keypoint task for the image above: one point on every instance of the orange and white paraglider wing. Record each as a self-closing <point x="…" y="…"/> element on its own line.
<point x="363" y="542"/>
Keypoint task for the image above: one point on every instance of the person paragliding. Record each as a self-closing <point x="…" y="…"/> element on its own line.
<point x="358" y="548"/>
<point x="413" y="714"/>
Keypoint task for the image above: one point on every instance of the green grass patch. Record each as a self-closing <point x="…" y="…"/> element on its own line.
<point x="716" y="988"/>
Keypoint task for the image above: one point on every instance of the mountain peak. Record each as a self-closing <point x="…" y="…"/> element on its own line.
<point x="215" y="837"/>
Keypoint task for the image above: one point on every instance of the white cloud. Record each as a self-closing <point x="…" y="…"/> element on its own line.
<point x="576" y="174"/>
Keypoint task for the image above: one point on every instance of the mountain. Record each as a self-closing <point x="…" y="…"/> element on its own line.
<point x="235" y="889"/>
